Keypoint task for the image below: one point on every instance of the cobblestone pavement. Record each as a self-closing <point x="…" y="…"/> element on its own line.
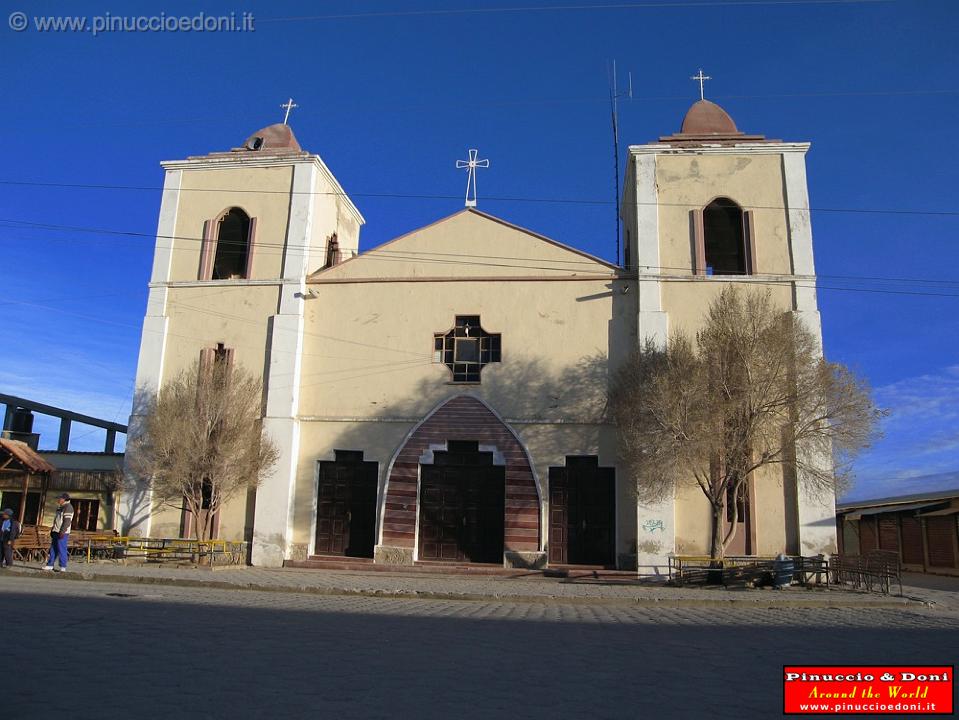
<point x="519" y="586"/>
<point x="109" y="650"/>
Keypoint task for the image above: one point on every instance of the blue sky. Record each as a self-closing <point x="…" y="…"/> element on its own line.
<point x="391" y="94"/>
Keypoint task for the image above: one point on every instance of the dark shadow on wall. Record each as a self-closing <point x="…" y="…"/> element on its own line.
<point x="530" y="390"/>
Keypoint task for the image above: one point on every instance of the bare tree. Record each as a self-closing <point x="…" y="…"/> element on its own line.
<point x="751" y="390"/>
<point x="201" y="442"/>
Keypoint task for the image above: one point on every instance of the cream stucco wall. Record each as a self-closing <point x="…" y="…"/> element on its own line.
<point x="206" y="193"/>
<point x="368" y="374"/>
<point x="379" y="439"/>
<point x="467" y="244"/>
<point x="757" y="177"/>
<point x="771" y="520"/>
<point x="691" y="181"/>
<point x="200" y="317"/>
<point x="359" y="372"/>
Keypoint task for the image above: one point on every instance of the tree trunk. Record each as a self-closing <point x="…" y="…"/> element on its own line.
<point x="716" y="536"/>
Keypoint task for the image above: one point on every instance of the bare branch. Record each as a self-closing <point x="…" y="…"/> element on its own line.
<point x="202" y="442"/>
<point x="752" y="390"/>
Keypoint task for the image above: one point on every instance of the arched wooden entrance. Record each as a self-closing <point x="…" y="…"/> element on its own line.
<point x="462" y="419"/>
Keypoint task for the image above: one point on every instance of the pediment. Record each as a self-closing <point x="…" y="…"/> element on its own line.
<point x="468" y="244"/>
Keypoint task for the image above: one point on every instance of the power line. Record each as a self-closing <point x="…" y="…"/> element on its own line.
<point x="393" y="107"/>
<point x="423" y="196"/>
<point x="656" y="5"/>
<point x="457" y="259"/>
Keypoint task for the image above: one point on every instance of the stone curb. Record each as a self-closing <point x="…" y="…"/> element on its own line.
<point x="758" y="602"/>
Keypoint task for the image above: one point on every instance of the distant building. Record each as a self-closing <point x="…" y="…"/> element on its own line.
<point x="91" y="478"/>
<point x="442" y="397"/>
<point x="922" y="528"/>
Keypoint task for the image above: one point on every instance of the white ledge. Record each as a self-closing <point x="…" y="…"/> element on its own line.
<point x="753" y="148"/>
<point x="252" y="159"/>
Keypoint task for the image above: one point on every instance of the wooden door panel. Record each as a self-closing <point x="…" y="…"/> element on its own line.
<point x="582" y="513"/>
<point x="462" y="511"/>
<point x="346" y="507"/>
<point x="558" y="516"/>
<point x="362" y="512"/>
<point x="911" y="530"/>
<point x="868" y="535"/>
<point x="941" y="538"/>
<point x="888" y="532"/>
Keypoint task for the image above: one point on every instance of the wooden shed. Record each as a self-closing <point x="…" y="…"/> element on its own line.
<point x="22" y="469"/>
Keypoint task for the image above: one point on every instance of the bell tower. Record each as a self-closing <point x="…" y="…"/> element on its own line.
<point x="701" y="208"/>
<point x="237" y="235"/>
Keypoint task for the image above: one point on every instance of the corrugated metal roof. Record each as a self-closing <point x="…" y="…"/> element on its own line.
<point x="26" y="455"/>
<point x="901" y="499"/>
<point x="855" y="515"/>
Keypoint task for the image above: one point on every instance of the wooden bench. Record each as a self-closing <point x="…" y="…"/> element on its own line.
<point x="33" y="545"/>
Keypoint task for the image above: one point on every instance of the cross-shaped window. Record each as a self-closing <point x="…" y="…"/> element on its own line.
<point x="466" y="349"/>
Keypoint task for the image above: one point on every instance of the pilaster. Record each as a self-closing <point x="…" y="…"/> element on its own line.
<point x="273" y="519"/>
<point x="135" y="503"/>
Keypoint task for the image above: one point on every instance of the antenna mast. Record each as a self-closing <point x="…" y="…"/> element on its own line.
<point x="614" y="96"/>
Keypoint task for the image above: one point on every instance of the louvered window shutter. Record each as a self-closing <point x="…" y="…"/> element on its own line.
<point x="699" y="242"/>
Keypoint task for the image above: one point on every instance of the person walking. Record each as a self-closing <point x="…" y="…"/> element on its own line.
<point x="9" y="532"/>
<point x="60" y="533"/>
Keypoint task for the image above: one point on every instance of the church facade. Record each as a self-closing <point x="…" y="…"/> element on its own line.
<point x="442" y="398"/>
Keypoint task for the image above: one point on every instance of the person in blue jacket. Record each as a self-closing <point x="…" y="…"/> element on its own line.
<point x="9" y="532"/>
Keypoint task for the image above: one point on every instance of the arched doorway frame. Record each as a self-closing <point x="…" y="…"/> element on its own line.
<point x="514" y="467"/>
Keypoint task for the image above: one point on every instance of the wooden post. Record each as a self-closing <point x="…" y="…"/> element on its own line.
<point x="111" y="441"/>
<point x="8" y="416"/>
<point x="63" y="444"/>
<point x="44" y="487"/>
<point x="23" y="498"/>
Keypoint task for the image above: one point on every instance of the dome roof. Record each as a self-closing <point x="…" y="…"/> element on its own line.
<point x="707" y="118"/>
<point x="275" y="137"/>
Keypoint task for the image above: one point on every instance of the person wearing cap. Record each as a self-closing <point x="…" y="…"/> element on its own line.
<point x="9" y="532"/>
<point x="60" y="533"/>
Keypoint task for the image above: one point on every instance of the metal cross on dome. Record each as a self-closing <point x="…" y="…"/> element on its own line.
<point x="288" y="106"/>
<point x="471" y="164"/>
<point x="701" y="78"/>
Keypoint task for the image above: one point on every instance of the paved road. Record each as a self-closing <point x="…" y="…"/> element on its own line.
<point x="175" y="652"/>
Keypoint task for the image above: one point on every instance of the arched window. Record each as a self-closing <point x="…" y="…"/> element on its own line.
<point x="332" y="252"/>
<point x="723" y="237"/>
<point x="227" y="252"/>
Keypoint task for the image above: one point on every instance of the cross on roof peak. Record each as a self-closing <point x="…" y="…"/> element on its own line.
<point x="288" y="106"/>
<point x="471" y="166"/>
<point x="699" y="76"/>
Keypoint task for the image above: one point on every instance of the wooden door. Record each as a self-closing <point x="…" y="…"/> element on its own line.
<point x="582" y="513"/>
<point x="346" y="506"/>
<point x="462" y="506"/>
<point x="361" y="518"/>
<point x="442" y="514"/>
<point x="331" y="510"/>
<point x="484" y="513"/>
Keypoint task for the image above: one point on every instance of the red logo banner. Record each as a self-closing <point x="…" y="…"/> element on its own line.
<point x="868" y="689"/>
